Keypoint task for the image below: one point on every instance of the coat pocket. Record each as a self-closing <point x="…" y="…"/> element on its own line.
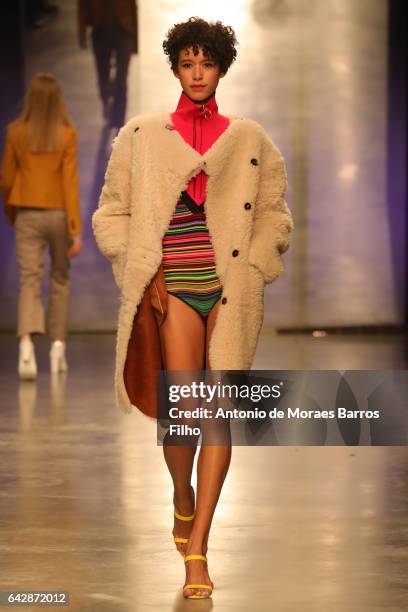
<point x="256" y="282"/>
<point x="111" y="232"/>
<point x="268" y="262"/>
<point x="247" y="287"/>
<point x="118" y="262"/>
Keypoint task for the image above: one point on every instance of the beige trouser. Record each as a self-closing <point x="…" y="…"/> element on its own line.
<point x="35" y="230"/>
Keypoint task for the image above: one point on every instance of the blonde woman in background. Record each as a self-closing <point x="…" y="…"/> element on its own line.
<point x="39" y="179"/>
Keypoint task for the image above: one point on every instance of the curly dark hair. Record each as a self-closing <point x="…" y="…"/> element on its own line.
<point x="217" y="41"/>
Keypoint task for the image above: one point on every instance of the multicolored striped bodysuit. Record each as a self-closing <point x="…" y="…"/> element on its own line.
<point x="188" y="258"/>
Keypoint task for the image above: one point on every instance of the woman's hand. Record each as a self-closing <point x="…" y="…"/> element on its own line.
<point x="76" y="247"/>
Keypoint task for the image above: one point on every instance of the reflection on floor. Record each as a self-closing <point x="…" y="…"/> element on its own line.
<point x="85" y="498"/>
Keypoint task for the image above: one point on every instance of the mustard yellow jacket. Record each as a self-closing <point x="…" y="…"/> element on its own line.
<point x="41" y="180"/>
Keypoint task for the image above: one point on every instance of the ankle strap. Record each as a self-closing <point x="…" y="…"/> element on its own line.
<point x="184" y="518"/>
<point x="193" y="557"/>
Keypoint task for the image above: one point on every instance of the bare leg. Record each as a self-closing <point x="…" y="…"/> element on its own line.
<point x="212" y="468"/>
<point x="183" y="341"/>
<point x="184" y="337"/>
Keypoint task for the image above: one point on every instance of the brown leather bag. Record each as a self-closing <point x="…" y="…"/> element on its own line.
<point x="144" y="357"/>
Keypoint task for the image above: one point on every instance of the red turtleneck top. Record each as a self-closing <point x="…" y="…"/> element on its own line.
<point x="200" y="125"/>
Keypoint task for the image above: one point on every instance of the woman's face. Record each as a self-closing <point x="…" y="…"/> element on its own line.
<point x="198" y="75"/>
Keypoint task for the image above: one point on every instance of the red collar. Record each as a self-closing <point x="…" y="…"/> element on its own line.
<point x="200" y="125"/>
<point x="189" y="110"/>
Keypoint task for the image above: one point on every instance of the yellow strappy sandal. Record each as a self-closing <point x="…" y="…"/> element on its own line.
<point x="182" y="518"/>
<point x="197" y="586"/>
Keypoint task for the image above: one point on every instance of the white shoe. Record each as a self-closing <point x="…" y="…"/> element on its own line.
<point x="27" y="365"/>
<point x="58" y="362"/>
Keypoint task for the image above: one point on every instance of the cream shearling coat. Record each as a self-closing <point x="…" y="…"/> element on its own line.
<point x="150" y="166"/>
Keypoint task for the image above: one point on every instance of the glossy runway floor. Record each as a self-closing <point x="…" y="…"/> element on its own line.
<point x="85" y="498"/>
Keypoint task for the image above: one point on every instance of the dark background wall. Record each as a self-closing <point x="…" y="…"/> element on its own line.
<point x="397" y="168"/>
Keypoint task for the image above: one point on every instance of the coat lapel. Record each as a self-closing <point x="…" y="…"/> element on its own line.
<point x="175" y="154"/>
<point x="173" y="160"/>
